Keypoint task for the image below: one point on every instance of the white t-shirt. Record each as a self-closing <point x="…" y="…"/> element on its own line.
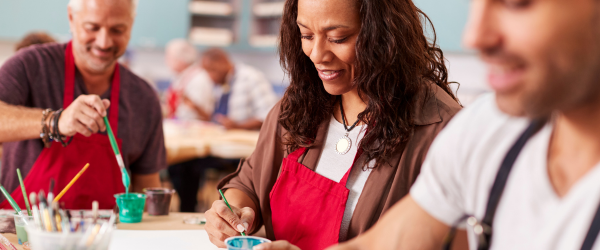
<point x="334" y="166"/>
<point x="462" y="164"/>
<point x="197" y="86"/>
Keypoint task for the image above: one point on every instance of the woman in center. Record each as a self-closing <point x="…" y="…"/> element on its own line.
<point x="368" y="93"/>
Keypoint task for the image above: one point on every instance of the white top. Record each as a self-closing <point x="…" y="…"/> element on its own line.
<point x="461" y="166"/>
<point x="334" y="166"/>
<point x="252" y="95"/>
<point x="197" y="86"/>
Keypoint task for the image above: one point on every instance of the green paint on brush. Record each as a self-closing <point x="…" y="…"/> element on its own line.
<point x="113" y="143"/>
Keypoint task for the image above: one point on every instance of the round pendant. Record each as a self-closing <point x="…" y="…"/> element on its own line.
<point x="343" y="145"/>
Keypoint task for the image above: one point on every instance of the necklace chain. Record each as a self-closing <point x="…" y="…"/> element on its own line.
<point x="344" y="118"/>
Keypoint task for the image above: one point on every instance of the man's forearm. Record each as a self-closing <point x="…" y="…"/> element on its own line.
<point x="205" y="116"/>
<point x="250" y="124"/>
<point x="141" y="181"/>
<point x="19" y="123"/>
<point x="404" y="226"/>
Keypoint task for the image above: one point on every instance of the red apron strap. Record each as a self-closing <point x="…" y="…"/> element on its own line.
<point x="69" y="76"/>
<point x="359" y="152"/>
<point x="113" y="116"/>
<point x="69" y="96"/>
<point x="294" y="156"/>
<point x="344" y="179"/>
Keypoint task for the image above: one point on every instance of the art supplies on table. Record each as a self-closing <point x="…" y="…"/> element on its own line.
<point x="131" y="207"/>
<point x="113" y="143"/>
<point x="60" y="195"/>
<point x="21" y="222"/>
<point x="11" y="201"/>
<point x="244" y="242"/>
<point x="227" y="203"/>
<point x="5" y="244"/>
<point x="24" y="192"/>
<point x="159" y="200"/>
<point x="60" y="230"/>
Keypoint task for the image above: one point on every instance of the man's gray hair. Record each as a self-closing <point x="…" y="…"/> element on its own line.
<point x="182" y="50"/>
<point x="76" y="5"/>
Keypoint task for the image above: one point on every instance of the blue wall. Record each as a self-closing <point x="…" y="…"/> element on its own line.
<point x="449" y="18"/>
<point x="18" y="17"/>
<point x="159" y="21"/>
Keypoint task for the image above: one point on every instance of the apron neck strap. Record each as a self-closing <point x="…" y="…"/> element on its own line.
<point x="344" y="179"/>
<point x="113" y="115"/>
<point x="294" y="156"/>
<point x="359" y="152"/>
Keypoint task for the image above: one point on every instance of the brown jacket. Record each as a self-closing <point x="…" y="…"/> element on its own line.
<point x="385" y="185"/>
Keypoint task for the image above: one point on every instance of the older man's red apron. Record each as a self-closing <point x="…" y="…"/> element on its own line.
<point x="103" y="177"/>
<point x="307" y="208"/>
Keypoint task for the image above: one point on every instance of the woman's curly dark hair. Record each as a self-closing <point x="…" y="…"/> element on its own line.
<point x="395" y="64"/>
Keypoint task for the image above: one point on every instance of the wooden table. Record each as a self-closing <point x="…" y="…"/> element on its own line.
<point x="173" y="221"/>
<point x="186" y="140"/>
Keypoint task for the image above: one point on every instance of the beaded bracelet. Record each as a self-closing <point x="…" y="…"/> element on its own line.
<point x="56" y="132"/>
<point x="45" y="133"/>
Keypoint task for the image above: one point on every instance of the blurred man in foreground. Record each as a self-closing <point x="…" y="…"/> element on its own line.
<point x="536" y="141"/>
<point x="190" y="95"/>
<point x="243" y="95"/>
<point x="53" y="101"/>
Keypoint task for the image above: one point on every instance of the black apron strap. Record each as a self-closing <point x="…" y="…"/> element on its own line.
<point x="484" y="228"/>
<point x="502" y="177"/>
<point x="592" y="233"/>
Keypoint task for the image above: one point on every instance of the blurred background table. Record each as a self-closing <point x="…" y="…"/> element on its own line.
<point x="186" y="140"/>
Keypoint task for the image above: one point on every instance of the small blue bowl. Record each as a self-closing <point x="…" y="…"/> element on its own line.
<point x="244" y="242"/>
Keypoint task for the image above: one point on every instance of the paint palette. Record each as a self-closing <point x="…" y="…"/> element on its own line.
<point x="244" y="242"/>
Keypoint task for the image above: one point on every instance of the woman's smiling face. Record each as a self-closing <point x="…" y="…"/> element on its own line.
<point x="329" y="29"/>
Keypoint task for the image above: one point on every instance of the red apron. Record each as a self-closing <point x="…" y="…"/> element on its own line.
<point x="307" y="208"/>
<point x="103" y="177"/>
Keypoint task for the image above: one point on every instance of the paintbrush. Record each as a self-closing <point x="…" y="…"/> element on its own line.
<point x="113" y="143"/>
<point x="37" y="219"/>
<point x="46" y="218"/>
<point x="95" y="211"/>
<point x="50" y="191"/>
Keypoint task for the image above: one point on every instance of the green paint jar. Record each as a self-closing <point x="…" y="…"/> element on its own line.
<point x="131" y="207"/>
<point x="20" y="222"/>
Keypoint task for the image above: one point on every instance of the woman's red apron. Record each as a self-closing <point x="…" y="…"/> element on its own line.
<point x="101" y="180"/>
<point x="307" y="208"/>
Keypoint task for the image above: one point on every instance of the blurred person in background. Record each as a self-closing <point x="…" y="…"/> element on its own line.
<point x="34" y="38"/>
<point x="522" y="164"/>
<point x="190" y="96"/>
<point x="53" y="98"/>
<point x="368" y="94"/>
<point x="243" y="94"/>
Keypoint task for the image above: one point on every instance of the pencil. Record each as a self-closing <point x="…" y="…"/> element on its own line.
<point x="71" y="183"/>
<point x="24" y="192"/>
<point x="227" y="203"/>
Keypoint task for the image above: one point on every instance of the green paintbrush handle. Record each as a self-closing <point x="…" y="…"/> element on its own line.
<point x="24" y="192"/>
<point x="227" y="203"/>
<point x="10" y="200"/>
<point x="111" y="137"/>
